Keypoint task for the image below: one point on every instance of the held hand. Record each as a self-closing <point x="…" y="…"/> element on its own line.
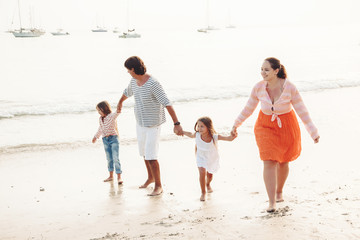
<point x="94" y="140"/>
<point x="234" y="131"/>
<point x="178" y="130"/>
<point x="233" y="135"/>
<point x="316" y="140"/>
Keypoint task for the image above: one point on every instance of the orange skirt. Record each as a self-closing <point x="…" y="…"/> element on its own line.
<point x="275" y="143"/>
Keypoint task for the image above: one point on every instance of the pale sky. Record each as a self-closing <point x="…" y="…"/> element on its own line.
<point x="164" y="14"/>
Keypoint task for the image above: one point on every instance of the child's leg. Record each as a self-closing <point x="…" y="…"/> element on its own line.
<point x="209" y="178"/>
<point x="115" y="158"/>
<point x="110" y="164"/>
<point x="282" y="174"/>
<point x="202" y="179"/>
<point x="270" y="168"/>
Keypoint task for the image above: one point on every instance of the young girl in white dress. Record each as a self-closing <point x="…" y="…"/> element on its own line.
<point x="207" y="156"/>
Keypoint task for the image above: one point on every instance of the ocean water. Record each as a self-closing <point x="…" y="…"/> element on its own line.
<point x="51" y="85"/>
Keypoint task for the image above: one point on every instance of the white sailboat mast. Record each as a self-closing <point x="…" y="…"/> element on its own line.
<point x="127" y="15"/>
<point x="207" y="13"/>
<point x="19" y="15"/>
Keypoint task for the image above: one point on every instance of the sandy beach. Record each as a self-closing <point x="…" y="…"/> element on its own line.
<point x="59" y="193"/>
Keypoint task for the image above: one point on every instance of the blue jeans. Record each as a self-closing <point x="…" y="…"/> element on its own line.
<point x="111" y="145"/>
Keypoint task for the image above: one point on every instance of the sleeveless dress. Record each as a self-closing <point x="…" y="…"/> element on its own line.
<point x="207" y="155"/>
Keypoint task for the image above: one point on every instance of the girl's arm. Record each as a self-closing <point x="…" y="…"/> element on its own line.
<point x="97" y="135"/>
<point x="189" y="134"/>
<point x="231" y="137"/>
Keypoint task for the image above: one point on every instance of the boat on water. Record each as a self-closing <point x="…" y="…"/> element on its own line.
<point x="208" y="28"/>
<point x="116" y="30"/>
<point x="60" y="32"/>
<point x="230" y="26"/>
<point x="28" y="32"/>
<point x="130" y="34"/>
<point x="203" y="30"/>
<point x="99" y="29"/>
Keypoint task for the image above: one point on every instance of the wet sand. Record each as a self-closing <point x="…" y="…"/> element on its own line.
<point x="59" y="194"/>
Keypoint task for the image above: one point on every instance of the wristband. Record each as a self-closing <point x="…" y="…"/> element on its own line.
<point x="177" y="123"/>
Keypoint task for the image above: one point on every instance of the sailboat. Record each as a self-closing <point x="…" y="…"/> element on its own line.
<point x="99" y="29"/>
<point x="11" y="29"/>
<point x="130" y="32"/>
<point x="116" y="30"/>
<point x="230" y="25"/>
<point x="27" y="32"/>
<point x="208" y="28"/>
<point x="60" y="32"/>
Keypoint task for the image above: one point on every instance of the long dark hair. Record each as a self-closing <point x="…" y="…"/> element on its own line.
<point x="104" y="107"/>
<point x="208" y="123"/>
<point x="275" y="64"/>
<point x="137" y="64"/>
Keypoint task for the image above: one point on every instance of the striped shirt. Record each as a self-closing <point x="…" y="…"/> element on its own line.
<point x="150" y="100"/>
<point x="108" y="125"/>
<point x="289" y="96"/>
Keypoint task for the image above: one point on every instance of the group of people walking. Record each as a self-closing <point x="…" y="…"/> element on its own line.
<point x="276" y="130"/>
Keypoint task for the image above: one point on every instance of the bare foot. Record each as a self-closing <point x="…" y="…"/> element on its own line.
<point x="109" y="179"/>
<point x="209" y="189"/>
<point x="147" y="183"/>
<point x="120" y="181"/>
<point x="279" y="197"/>
<point x="157" y="191"/>
<point x="271" y="208"/>
<point x="202" y="198"/>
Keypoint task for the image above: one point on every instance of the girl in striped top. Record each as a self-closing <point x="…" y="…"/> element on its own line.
<point x="277" y="130"/>
<point x="109" y="132"/>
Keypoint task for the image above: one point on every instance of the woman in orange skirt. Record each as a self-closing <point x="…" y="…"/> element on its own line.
<point x="276" y="130"/>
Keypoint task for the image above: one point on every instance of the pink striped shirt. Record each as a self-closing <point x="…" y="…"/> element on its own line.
<point x="107" y="126"/>
<point x="289" y="96"/>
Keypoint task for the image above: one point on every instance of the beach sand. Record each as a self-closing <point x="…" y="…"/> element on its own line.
<point x="59" y="193"/>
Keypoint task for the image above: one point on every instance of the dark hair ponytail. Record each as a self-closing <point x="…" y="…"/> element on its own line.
<point x="137" y="64"/>
<point x="275" y="64"/>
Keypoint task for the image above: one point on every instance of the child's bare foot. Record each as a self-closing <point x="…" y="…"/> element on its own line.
<point x="209" y="189"/>
<point x="147" y="183"/>
<point x="120" y="181"/>
<point x="157" y="191"/>
<point x="279" y="197"/>
<point x="271" y="208"/>
<point x="202" y="198"/>
<point x="109" y="179"/>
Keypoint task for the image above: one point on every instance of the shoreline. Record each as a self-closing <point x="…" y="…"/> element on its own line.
<point x="321" y="199"/>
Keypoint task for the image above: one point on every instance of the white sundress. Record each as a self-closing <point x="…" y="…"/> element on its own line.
<point x="207" y="155"/>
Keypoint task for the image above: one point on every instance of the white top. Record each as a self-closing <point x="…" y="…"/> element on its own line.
<point x="207" y="155"/>
<point x="150" y="100"/>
